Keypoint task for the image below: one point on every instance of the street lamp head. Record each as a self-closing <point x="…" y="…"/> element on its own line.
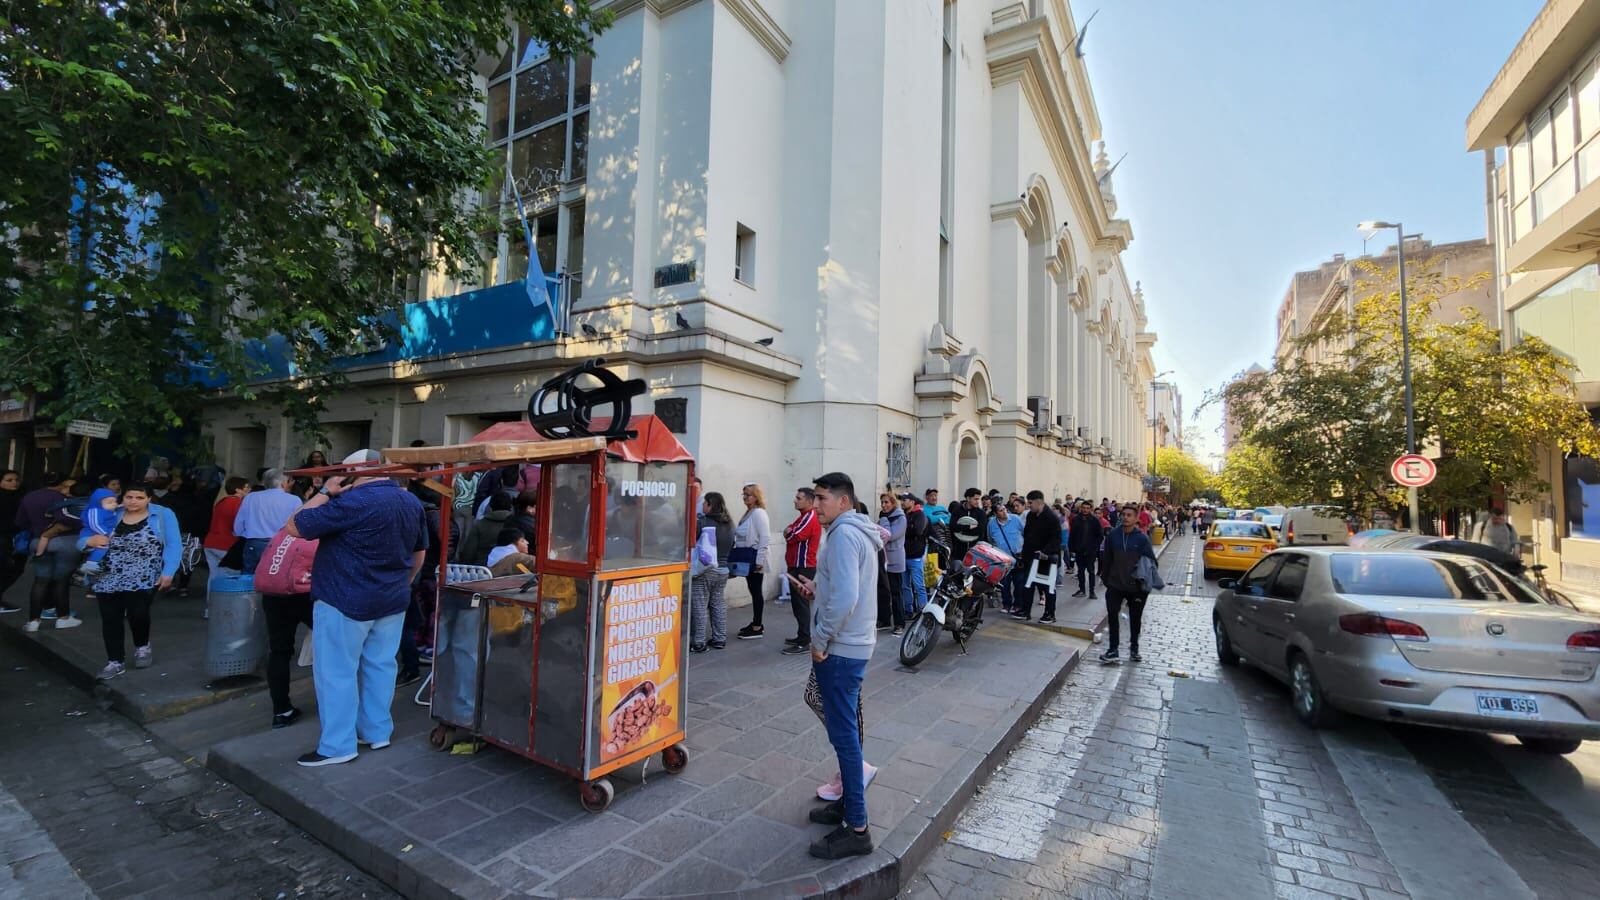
<point x="1373" y="226"/>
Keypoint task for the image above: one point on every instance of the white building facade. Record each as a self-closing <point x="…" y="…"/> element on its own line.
<point x="829" y="235"/>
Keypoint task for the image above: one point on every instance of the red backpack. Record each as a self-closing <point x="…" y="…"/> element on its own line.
<point x="285" y="566"/>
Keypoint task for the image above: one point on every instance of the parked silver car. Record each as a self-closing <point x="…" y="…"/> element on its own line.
<point x="1411" y="636"/>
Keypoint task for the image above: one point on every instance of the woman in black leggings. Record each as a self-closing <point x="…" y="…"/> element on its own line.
<point x="144" y="550"/>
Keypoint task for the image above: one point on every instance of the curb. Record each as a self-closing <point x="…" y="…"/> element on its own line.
<point x="116" y="693"/>
<point x="423" y="873"/>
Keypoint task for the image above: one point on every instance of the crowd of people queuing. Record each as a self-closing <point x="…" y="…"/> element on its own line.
<point x="848" y="573"/>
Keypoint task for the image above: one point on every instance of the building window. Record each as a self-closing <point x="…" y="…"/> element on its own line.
<point x="538" y="109"/>
<point x="744" y="255"/>
<point x="899" y="459"/>
<point x="1563" y="315"/>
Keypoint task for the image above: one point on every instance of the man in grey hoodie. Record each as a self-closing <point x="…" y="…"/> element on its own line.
<point x="843" y="612"/>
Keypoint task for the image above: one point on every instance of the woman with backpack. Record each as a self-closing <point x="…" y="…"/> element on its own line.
<point x="283" y="578"/>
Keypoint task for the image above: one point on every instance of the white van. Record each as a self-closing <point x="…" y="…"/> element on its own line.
<point x="1314" y="525"/>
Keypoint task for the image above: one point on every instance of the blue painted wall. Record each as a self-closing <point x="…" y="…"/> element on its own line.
<point x="499" y="316"/>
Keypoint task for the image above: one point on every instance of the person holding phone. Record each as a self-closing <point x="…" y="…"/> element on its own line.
<point x="843" y="613"/>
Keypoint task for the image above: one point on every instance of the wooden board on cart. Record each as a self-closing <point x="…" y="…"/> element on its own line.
<point x="493" y="451"/>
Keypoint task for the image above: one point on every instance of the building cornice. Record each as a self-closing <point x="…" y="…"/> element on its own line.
<point x="1025" y="53"/>
<point x="749" y="13"/>
<point x="756" y="20"/>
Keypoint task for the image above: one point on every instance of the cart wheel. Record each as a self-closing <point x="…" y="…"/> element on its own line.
<point x="596" y="795"/>
<point x="675" y="758"/>
<point x="442" y="737"/>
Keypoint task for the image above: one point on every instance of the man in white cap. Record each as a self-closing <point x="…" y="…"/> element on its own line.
<point x="372" y="535"/>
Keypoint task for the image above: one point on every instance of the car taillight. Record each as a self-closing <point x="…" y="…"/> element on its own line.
<point x="1290" y="534"/>
<point x="1585" y="641"/>
<point x="1214" y="545"/>
<point x="1268" y="547"/>
<point x="1374" y="625"/>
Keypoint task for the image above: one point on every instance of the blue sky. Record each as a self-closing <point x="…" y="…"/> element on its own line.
<point x="1259" y="133"/>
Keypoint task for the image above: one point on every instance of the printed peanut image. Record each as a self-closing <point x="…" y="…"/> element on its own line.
<point x="633" y="719"/>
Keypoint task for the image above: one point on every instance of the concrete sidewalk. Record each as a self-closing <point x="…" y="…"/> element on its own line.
<point x="175" y="684"/>
<point x="734" y="822"/>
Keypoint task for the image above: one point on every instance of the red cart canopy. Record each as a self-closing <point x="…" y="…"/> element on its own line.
<point x="655" y="443"/>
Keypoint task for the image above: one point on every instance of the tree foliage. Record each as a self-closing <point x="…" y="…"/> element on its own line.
<point x="184" y="178"/>
<point x="1188" y="476"/>
<point x="1328" y="420"/>
<point x="1250" y="477"/>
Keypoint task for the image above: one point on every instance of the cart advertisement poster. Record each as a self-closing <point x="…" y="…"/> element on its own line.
<point x="643" y="628"/>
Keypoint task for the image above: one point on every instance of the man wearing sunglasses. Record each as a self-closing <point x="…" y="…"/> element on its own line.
<point x="1119" y="558"/>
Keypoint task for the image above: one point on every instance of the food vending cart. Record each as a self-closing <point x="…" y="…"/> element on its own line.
<point x="579" y="665"/>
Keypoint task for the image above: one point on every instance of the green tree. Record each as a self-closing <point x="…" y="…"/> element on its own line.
<point x="1331" y="417"/>
<point x="1250" y="477"/>
<point x="1188" y="476"/>
<point x="186" y="178"/>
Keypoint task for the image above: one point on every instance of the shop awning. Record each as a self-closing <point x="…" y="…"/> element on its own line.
<point x="654" y="443"/>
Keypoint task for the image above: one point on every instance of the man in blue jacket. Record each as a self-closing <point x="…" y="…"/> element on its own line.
<point x="1119" y="558"/>
<point x="373" y="536"/>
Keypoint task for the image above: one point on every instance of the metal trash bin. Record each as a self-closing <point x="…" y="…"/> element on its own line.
<point x="236" y="630"/>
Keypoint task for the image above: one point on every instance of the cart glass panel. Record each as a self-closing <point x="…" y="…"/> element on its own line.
<point x="647" y="514"/>
<point x="569" y="513"/>
<point x="562" y="669"/>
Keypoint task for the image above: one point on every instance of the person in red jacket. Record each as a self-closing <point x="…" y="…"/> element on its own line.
<point x="219" y="537"/>
<point x="801" y="540"/>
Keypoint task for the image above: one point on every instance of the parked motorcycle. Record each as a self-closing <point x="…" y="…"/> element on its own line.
<point x="957" y="603"/>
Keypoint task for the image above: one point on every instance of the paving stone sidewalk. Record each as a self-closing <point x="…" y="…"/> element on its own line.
<point x="493" y="824"/>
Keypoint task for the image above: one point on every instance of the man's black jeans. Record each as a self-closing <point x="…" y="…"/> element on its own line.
<point x="1114" y="600"/>
<point x="284" y="615"/>
<point x="801" y="606"/>
<point x="1086" y="563"/>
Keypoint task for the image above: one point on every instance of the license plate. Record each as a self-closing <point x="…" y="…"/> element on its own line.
<point x="1512" y="706"/>
<point x="1241" y="548"/>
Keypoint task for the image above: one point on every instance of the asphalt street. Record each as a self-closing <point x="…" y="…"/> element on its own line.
<point x="1173" y="778"/>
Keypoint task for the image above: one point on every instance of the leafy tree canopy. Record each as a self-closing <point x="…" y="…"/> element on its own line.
<point x="185" y="177"/>
<point x="1329" y="419"/>
<point x="1189" y="477"/>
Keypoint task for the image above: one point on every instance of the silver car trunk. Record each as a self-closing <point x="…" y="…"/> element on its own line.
<point x="1518" y="640"/>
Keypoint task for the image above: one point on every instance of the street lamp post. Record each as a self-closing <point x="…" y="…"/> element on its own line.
<point x="1371" y="227"/>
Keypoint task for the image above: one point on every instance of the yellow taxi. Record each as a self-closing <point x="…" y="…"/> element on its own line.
<point x="1234" y="545"/>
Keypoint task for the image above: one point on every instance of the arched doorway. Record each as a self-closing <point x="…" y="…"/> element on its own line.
<point x="969" y="465"/>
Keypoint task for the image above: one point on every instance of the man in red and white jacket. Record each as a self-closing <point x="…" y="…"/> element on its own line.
<point x="801" y="540"/>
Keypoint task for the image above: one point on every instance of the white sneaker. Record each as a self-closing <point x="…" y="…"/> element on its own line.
<point x="378" y="746"/>
<point x="69" y="622"/>
<point x="112" y="670"/>
<point x="141" y="657"/>
<point x="32" y="626"/>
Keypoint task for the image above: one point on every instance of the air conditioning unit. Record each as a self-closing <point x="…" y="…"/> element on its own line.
<point x="1069" y="434"/>
<point x="1040" y="407"/>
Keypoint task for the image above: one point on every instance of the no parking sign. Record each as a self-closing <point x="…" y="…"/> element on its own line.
<point x="1413" y="471"/>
